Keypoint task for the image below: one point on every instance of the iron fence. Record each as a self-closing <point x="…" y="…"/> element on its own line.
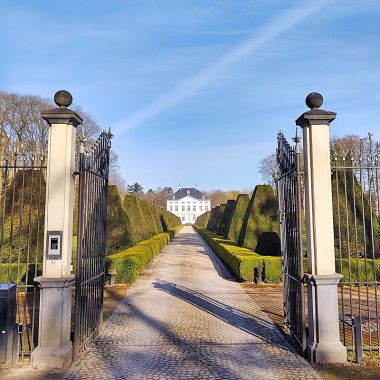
<point x="355" y="189"/>
<point x="22" y="209"/>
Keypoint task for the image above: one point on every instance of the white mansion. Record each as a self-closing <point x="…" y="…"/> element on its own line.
<point x="188" y="203"/>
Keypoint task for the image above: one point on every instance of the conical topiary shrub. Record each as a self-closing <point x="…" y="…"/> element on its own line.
<point x="236" y="224"/>
<point x="119" y="228"/>
<point x="136" y="218"/>
<point x="261" y="229"/>
<point x="226" y="218"/>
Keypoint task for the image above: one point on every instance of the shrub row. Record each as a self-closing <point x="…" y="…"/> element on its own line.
<point x="250" y="223"/>
<point x="261" y="228"/>
<point x="236" y="223"/>
<point x="356" y="225"/>
<point x="20" y="232"/>
<point x="130" y="262"/>
<point x="129" y="221"/>
<point x="203" y="219"/>
<point x="18" y="274"/>
<point x="242" y="261"/>
<point x="134" y="220"/>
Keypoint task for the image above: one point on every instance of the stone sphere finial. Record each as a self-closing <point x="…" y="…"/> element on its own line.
<point x="63" y="98"/>
<point x="314" y="100"/>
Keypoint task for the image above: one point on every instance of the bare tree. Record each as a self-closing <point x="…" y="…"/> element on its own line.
<point x="268" y="169"/>
<point x="218" y="197"/>
<point x="21" y="125"/>
<point x="115" y="177"/>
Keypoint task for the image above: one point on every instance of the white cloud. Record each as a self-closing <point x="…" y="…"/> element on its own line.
<point x="280" y="24"/>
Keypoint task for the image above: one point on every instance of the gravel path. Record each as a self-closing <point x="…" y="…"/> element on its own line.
<point x="185" y="318"/>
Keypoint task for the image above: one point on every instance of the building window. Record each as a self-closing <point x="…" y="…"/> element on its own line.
<point x="188" y="207"/>
<point x="170" y="208"/>
<point x="176" y="208"/>
<point x="183" y="207"/>
<point x="200" y="208"/>
<point x="194" y="208"/>
<point x="183" y="218"/>
<point x="194" y="218"/>
<point x="206" y="208"/>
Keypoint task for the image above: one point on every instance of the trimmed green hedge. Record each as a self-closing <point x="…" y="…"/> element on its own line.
<point x="353" y="222"/>
<point x="219" y="217"/>
<point x="150" y="225"/>
<point x="211" y="220"/>
<point x="130" y="262"/>
<point x="25" y="195"/>
<point x="119" y="229"/>
<point x="242" y="261"/>
<point x="156" y="218"/>
<point x="132" y="207"/>
<point x="168" y="219"/>
<point x="358" y="269"/>
<point x="17" y="274"/>
<point x="203" y="219"/>
<point x="261" y="228"/>
<point x="236" y="224"/>
<point x="226" y="218"/>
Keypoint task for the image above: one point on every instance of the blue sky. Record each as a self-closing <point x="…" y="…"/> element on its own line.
<point x="196" y="91"/>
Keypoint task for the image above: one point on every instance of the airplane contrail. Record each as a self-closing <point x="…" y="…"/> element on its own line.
<point x="278" y="25"/>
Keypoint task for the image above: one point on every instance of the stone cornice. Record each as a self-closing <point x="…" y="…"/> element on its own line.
<point x="315" y="117"/>
<point x="62" y="115"/>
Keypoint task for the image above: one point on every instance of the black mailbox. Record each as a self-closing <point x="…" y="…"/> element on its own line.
<point x="7" y="322"/>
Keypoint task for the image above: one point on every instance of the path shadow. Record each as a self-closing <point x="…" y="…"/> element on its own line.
<point x="251" y="324"/>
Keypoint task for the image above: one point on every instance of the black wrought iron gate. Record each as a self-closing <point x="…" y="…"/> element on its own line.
<point x="91" y="240"/>
<point x="22" y="214"/>
<point x="289" y="187"/>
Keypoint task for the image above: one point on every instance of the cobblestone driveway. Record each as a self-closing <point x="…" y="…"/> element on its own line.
<point x="185" y="318"/>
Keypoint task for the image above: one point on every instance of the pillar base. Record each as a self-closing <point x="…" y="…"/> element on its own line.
<point x="328" y="353"/>
<point x="53" y="357"/>
<point x="324" y="345"/>
<point x="54" y="350"/>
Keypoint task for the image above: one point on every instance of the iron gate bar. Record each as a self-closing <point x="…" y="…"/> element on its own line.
<point x="356" y="176"/>
<point x="91" y="241"/>
<point x="19" y="206"/>
<point x="289" y="183"/>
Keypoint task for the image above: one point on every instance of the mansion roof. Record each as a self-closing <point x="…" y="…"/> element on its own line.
<point x="191" y="191"/>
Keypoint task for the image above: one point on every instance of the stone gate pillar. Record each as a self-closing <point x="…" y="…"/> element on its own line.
<point x="54" y="346"/>
<point x="324" y="343"/>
